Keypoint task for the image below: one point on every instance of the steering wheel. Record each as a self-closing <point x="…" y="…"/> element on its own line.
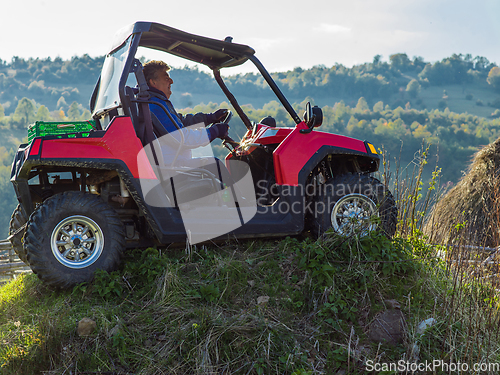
<point x="227" y="139"/>
<point x="228" y="117"/>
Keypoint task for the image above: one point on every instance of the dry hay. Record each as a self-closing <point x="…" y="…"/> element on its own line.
<point x="470" y="211"/>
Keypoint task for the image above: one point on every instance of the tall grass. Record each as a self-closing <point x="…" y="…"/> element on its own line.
<point x="412" y="196"/>
<point x="463" y="278"/>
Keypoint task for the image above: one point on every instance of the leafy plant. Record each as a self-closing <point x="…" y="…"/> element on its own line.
<point x="150" y="265"/>
<point x="210" y="292"/>
<point x="107" y="285"/>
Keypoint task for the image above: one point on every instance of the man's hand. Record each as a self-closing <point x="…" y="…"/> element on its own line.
<point x="216" y="116"/>
<point x="218" y="131"/>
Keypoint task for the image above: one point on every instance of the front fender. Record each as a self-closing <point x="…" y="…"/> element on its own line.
<point x="300" y="152"/>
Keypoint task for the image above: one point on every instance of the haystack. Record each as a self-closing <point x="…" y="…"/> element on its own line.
<point x="469" y="213"/>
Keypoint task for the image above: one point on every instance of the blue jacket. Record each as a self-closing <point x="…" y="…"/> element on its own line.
<point x="182" y="121"/>
<point x="194" y="136"/>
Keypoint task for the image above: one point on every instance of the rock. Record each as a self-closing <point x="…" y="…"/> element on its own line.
<point x="262" y="300"/>
<point x="251" y="283"/>
<point x="392" y="304"/>
<point x="86" y="327"/>
<point x="388" y="327"/>
<point x="424" y="325"/>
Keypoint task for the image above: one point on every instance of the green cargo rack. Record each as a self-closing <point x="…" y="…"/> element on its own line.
<point x="43" y="128"/>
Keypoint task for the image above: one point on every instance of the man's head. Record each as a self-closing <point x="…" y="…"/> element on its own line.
<point x="156" y="74"/>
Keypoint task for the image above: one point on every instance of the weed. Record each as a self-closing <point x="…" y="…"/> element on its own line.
<point x="210" y="292"/>
<point x="107" y="285"/>
<point x="337" y="358"/>
<point x="146" y="266"/>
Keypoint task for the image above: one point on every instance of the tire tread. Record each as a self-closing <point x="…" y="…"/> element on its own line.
<point x="359" y="183"/>
<point x="39" y="229"/>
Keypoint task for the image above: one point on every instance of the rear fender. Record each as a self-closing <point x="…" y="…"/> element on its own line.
<point x="117" y="148"/>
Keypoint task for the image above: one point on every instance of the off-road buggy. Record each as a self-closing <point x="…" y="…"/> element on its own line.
<point x="87" y="191"/>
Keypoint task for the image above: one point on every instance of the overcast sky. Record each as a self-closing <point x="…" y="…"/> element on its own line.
<point x="285" y="34"/>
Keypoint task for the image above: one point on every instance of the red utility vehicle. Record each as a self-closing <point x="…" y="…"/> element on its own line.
<point x="88" y="191"/>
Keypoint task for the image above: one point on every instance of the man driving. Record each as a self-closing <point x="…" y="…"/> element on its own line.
<point x="195" y="127"/>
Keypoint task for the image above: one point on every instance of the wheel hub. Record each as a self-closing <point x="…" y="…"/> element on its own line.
<point x="77" y="241"/>
<point x="354" y="214"/>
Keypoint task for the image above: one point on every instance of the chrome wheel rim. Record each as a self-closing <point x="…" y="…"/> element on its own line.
<point x="354" y="214"/>
<point x="77" y="241"/>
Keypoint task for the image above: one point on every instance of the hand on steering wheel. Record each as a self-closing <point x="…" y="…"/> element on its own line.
<point x="227" y="138"/>
<point x="221" y="128"/>
<point x="227" y="117"/>
<point x="218" y="116"/>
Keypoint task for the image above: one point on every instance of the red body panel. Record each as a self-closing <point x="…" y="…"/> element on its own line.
<point x="35" y="147"/>
<point x="119" y="142"/>
<point x="297" y="148"/>
<point x="279" y="134"/>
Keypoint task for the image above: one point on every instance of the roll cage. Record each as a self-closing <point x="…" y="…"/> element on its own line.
<point x="111" y="95"/>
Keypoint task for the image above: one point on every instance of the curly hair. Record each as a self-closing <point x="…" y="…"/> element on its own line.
<point x="151" y="69"/>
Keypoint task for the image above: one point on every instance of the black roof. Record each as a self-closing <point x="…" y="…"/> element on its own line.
<point x="211" y="52"/>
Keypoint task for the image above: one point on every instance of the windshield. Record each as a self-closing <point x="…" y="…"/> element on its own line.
<point x="108" y="96"/>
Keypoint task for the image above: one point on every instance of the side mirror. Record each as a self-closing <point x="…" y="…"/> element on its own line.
<point x="308" y="114"/>
<point x="313" y="117"/>
<point x="318" y="116"/>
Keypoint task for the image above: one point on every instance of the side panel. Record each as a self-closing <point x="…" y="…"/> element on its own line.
<point x="119" y="142"/>
<point x="298" y="148"/>
<point x="116" y="149"/>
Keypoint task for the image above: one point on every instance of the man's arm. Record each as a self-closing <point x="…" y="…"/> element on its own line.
<point x="207" y="119"/>
<point x="194" y="119"/>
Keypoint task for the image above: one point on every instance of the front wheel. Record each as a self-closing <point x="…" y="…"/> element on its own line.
<point x="70" y="236"/>
<point x="354" y="205"/>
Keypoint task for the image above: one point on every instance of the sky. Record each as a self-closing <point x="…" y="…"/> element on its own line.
<point x="285" y="34"/>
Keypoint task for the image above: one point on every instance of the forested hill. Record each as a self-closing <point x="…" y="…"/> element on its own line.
<point x="57" y="83"/>
<point x="53" y="83"/>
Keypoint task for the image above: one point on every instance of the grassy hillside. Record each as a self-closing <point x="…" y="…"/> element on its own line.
<point x="456" y="98"/>
<point x="289" y="307"/>
<point x="292" y="306"/>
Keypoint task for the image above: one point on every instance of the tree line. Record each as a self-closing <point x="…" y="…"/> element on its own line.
<point x="54" y="83"/>
<point x="57" y="83"/>
<point x="377" y="80"/>
<point x="454" y="137"/>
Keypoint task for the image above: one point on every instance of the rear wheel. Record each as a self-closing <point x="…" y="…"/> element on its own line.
<point x="353" y="205"/>
<point x="16" y="232"/>
<point x="70" y="236"/>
